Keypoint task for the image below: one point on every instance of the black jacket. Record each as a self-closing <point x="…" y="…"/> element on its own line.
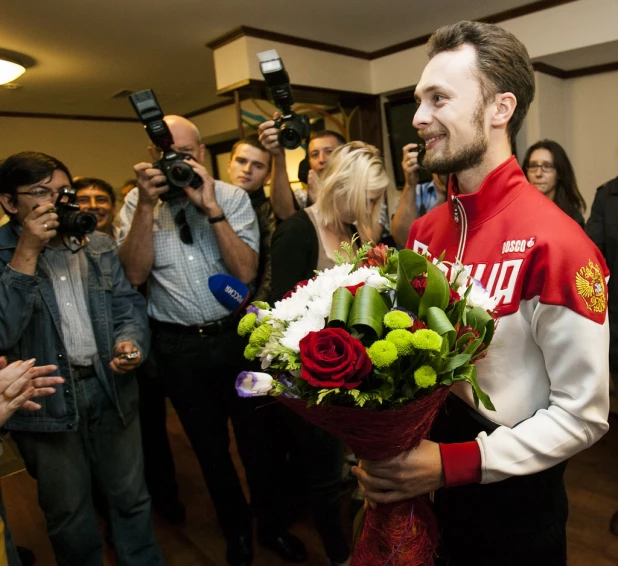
<point x="267" y="222"/>
<point x="602" y="227"/>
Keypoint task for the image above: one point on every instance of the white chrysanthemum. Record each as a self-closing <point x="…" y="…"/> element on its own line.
<point x="298" y="329"/>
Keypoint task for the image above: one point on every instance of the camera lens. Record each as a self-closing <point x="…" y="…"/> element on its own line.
<point x="180" y="174"/>
<point x="289" y="136"/>
<point x="73" y="223"/>
<point x="85" y="223"/>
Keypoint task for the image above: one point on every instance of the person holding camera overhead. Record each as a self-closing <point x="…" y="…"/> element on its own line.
<point x="177" y="239"/>
<point x="65" y="301"/>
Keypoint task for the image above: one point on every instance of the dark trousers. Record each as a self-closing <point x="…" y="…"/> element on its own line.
<point x="199" y="375"/>
<point x="520" y="521"/>
<point x="63" y="463"/>
<point x="318" y="457"/>
<point x="159" y="469"/>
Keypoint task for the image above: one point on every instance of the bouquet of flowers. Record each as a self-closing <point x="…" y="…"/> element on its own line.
<point x="368" y="350"/>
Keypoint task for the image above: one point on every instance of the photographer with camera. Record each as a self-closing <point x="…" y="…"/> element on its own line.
<point x="178" y="244"/>
<point x="72" y="306"/>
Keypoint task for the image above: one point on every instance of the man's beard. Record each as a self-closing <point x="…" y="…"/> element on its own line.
<point x="467" y="157"/>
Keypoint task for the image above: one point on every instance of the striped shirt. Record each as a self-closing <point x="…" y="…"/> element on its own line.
<point x="179" y="290"/>
<point x="68" y="272"/>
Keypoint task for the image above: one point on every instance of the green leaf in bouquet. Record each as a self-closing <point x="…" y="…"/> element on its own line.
<point x="469" y="373"/>
<point x="322" y="393"/>
<point x="368" y="310"/>
<point x="480" y="320"/>
<point x="474" y="345"/>
<point x="455" y="362"/>
<point x="446" y="379"/>
<point x="340" y="308"/>
<point x="439" y="322"/>
<point x="411" y="264"/>
<point x="436" y="293"/>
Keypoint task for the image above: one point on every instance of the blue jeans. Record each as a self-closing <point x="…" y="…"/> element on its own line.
<point x="11" y="551"/>
<point x="63" y="464"/>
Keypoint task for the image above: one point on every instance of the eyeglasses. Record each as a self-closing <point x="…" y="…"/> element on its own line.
<point x="41" y="194"/>
<point x="185" y="231"/>
<point x="545" y="167"/>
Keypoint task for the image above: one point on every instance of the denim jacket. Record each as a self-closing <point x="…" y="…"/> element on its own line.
<point x="30" y="328"/>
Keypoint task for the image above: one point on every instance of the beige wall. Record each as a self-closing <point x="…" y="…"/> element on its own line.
<point x="591" y="121"/>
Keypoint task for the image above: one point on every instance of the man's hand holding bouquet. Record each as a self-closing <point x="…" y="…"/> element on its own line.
<point x="368" y="350"/>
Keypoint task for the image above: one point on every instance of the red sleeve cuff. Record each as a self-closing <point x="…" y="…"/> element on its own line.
<point x="461" y="463"/>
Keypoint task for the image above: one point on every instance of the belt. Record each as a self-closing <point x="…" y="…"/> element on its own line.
<point x="82" y="372"/>
<point x="213" y="328"/>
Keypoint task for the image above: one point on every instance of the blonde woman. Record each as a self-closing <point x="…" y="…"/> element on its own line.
<point x="349" y="198"/>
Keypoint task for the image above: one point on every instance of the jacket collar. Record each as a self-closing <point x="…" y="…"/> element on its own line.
<point x="497" y="190"/>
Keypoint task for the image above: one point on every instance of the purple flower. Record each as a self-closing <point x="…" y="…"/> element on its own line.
<point x="287" y="382"/>
<point x="253" y="384"/>
<point x="253" y="309"/>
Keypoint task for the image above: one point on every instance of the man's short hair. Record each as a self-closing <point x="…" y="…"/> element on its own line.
<point x="27" y="168"/>
<point x="502" y="60"/>
<point x="328" y="134"/>
<point x="86" y="182"/>
<point x="253" y="141"/>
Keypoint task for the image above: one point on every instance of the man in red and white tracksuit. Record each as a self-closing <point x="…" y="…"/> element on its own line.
<point x="498" y="475"/>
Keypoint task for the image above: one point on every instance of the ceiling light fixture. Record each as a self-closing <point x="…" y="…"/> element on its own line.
<point x="9" y="71"/>
<point x="13" y="65"/>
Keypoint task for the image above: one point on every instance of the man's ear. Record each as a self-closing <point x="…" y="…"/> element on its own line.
<point x="505" y="104"/>
<point x="8" y="202"/>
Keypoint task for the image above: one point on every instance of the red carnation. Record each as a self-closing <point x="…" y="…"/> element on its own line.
<point x="333" y="358"/>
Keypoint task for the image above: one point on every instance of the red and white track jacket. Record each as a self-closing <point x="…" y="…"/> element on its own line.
<point x="547" y="370"/>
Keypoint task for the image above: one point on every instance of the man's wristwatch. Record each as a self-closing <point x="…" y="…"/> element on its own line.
<point x="216" y="219"/>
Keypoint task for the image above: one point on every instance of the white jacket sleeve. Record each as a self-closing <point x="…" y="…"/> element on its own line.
<point x="575" y="351"/>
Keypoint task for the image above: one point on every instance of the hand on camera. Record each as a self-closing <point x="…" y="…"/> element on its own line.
<point x="121" y="364"/>
<point x="151" y="183"/>
<point x="410" y="164"/>
<point x="204" y="197"/>
<point x="269" y="136"/>
<point x="38" y="228"/>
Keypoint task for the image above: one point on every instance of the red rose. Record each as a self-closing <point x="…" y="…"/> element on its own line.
<point x="419" y="284"/>
<point x="333" y="358"/>
<point x="354" y="288"/>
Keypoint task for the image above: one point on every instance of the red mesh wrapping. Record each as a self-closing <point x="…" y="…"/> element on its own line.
<point x="389" y="537"/>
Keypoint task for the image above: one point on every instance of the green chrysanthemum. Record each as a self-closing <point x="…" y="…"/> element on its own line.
<point x="251" y="351"/>
<point x="382" y="353"/>
<point x="397" y="320"/>
<point x="246" y="324"/>
<point x="260" y="335"/>
<point x="426" y="339"/>
<point x="402" y="340"/>
<point x="425" y="376"/>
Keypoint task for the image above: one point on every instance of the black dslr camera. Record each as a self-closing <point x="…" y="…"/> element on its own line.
<point x="178" y="173"/>
<point x="72" y="221"/>
<point x="293" y="128"/>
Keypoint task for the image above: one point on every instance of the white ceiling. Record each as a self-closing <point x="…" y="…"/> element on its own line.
<point x="87" y="50"/>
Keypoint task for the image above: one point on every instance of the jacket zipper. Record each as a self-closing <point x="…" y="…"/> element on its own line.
<point x="459" y="215"/>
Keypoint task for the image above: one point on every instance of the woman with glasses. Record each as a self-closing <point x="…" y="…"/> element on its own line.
<point x="548" y="168"/>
